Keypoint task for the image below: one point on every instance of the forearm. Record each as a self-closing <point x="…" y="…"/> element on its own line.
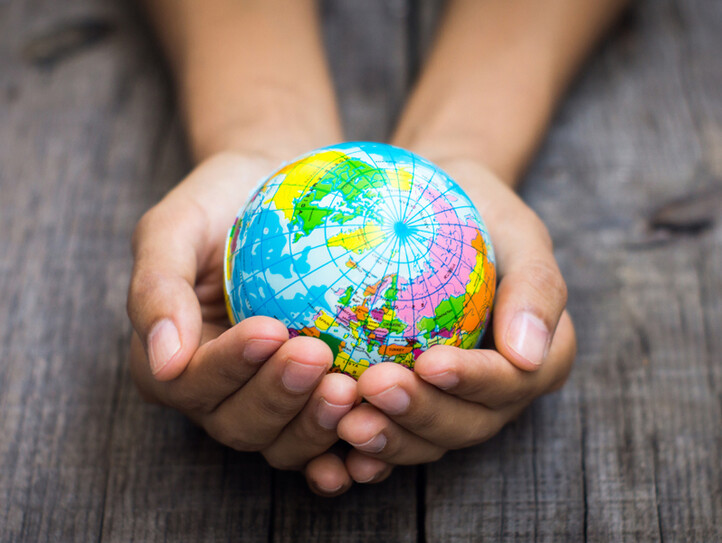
<point x="496" y="72"/>
<point x="251" y="74"/>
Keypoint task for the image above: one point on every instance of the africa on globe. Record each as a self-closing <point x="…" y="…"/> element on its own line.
<point x="368" y="247"/>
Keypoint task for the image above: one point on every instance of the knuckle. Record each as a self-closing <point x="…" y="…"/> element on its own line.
<point x="426" y="418"/>
<point x="275" y="408"/>
<point x="547" y="279"/>
<point x="517" y="394"/>
<point x="142" y="286"/>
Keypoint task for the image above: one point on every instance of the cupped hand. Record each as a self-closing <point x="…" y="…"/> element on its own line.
<point x="456" y="398"/>
<point x="249" y="386"/>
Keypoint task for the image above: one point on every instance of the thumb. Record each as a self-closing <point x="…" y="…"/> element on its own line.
<point x="162" y="303"/>
<point x="531" y="295"/>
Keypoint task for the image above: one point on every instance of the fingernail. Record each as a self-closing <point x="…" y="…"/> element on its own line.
<point x="371" y="478"/>
<point x="330" y="413"/>
<point x="260" y="350"/>
<point x="327" y="490"/>
<point x="367" y="480"/>
<point x="374" y="445"/>
<point x="444" y="380"/>
<point x="299" y="377"/>
<point x="393" y="401"/>
<point x="163" y="344"/>
<point x="528" y="337"/>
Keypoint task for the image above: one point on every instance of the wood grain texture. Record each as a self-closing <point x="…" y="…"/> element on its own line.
<point x="627" y="181"/>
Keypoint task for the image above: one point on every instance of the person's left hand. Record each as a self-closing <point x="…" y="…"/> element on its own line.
<point x="455" y="398"/>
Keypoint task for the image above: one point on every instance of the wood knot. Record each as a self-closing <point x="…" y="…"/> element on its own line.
<point x="690" y="215"/>
<point x="64" y="40"/>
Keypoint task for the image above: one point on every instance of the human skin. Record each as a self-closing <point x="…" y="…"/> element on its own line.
<point x="256" y="92"/>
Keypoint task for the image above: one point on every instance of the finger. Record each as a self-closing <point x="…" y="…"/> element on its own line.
<point x="426" y="411"/>
<point x="162" y="303"/>
<point x="486" y="377"/>
<point x="372" y="433"/>
<point x="327" y="476"/>
<point x="531" y="295"/>
<point x="224" y="362"/>
<point x="366" y="469"/>
<point x="313" y="431"/>
<point x="253" y="417"/>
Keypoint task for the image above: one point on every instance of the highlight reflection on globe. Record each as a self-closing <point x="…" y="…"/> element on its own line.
<point x="368" y="247"/>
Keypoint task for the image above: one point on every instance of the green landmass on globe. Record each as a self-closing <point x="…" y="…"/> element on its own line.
<point x="368" y="247"/>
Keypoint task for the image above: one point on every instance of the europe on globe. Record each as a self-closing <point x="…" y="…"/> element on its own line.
<point x="370" y="248"/>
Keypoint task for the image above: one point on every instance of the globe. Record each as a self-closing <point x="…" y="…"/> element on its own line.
<point x="369" y="247"/>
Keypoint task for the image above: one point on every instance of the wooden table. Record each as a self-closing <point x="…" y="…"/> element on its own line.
<point x="629" y="182"/>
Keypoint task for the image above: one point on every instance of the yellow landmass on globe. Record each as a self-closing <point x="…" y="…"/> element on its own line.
<point x="300" y="175"/>
<point x="399" y="179"/>
<point x="359" y="240"/>
<point x="324" y="321"/>
<point x="345" y="364"/>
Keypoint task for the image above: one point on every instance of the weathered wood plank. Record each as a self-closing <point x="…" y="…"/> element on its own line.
<point x="629" y="450"/>
<point x="62" y="233"/>
<point x="382" y="512"/>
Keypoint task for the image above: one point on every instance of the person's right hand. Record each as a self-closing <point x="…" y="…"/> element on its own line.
<point x="248" y="386"/>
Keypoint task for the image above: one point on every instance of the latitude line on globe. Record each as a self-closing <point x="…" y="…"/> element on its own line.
<point x="359" y="339"/>
<point x="395" y="239"/>
<point x="461" y="242"/>
<point x="442" y="285"/>
<point x="457" y="316"/>
<point x="403" y="218"/>
<point x="432" y="271"/>
<point x="300" y="278"/>
<point x="411" y="278"/>
<point x="280" y="260"/>
<point x="354" y="210"/>
<point x="290" y="256"/>
<point x="343" y="275"/>
<point x="378" y="169"/>
<point x="442" y="194"/>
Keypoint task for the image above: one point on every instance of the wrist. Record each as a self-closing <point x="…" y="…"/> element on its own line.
<point x="497" y="123"/>
<point x="269" y="122"/>
<point x="250" y="75"/>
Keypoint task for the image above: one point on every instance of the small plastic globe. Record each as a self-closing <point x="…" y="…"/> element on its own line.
<point x="368" y="247"/>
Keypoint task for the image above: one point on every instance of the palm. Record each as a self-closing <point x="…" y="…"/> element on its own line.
<point x="230" y="182"/>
